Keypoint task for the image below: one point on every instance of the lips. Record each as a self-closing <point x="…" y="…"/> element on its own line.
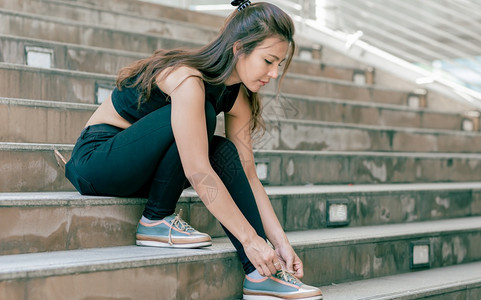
<point x="264" y="82"/>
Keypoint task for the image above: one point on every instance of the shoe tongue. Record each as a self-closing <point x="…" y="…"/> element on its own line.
<point x="286" y="276"/>
<point x="181" y="224"/>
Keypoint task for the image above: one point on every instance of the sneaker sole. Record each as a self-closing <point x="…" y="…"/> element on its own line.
<point x="264" y="297"/>
<point x="167" y="245"/>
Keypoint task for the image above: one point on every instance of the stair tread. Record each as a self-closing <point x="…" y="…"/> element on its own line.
<point x="48" y="146"/>
<point x="69" y="22"/>
<point x="269" y="118"/>
<point x="140" y="55"/>
<point x="114" y="258"/>
<point x="267" y="95"/>
<point x="421" y="284"/>
<point x="74" y="198"/>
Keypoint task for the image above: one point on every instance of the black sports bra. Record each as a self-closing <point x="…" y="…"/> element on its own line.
<point x="126" y="101"/>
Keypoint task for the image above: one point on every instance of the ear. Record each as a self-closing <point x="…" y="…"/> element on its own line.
<point x="236" y="47"/>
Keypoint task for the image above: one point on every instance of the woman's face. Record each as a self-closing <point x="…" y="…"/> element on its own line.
<point x="261" y="65"/>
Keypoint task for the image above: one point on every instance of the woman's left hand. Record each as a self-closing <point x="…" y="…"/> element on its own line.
<point x="289" y="259"/>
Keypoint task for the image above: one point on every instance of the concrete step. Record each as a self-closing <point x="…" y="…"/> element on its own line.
<point x="76" y="222"/>
<point x="26" y="120"/>
<point x="66" y="56"/>
<point x="153" y="10"/>
<point x="65" y="30"/>
<point x="26" y="123"/>
<point x="326" y="167"/>
<point x="325" y="69"/>
<point x="341" y="89"/>
<point x="109" y="61"/>
<point x="453" y="282"/>
<point x="33" y="168"/>
<point x="336" y="110"/>
<point x="88" y="14"/>
<point x="36" y="121"/>
<point x="52" y="84"/>
<point x="54" y="29"/>
<point x="289" y="134"/>
<point x="81" y="87"/>
<point x="343" y="254"/>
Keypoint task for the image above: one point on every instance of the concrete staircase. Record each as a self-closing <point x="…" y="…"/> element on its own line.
<point x="341" y="133"/>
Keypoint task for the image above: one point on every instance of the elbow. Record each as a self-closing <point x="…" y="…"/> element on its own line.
<point x="197" y="171"/>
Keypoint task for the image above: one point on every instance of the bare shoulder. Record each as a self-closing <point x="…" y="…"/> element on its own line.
<point x="169" y="79"/>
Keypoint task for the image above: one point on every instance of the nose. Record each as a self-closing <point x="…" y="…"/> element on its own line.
<point x="274" y="72"/>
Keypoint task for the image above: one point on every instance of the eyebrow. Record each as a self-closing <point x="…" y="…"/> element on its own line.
<point x="277" y="58"/>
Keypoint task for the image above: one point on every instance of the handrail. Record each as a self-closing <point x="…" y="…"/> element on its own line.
<point x="438" y="49"/>
<point x="380" y="59"/>
<point x="358" y="49"/>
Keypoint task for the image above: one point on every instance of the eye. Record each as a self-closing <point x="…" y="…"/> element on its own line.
<point x="268" y="62"/>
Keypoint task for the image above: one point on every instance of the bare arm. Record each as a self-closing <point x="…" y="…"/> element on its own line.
<point x="237" y="128"/>
<point x="190" y="133"/>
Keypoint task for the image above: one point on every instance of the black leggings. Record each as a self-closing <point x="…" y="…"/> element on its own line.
<point x="143" y="161"/>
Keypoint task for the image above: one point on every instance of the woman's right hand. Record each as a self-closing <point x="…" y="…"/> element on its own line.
<point x="262" y="256"/>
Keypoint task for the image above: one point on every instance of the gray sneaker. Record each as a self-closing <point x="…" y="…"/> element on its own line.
<point x="171" y="232"/>
<point x="282" y="285"/>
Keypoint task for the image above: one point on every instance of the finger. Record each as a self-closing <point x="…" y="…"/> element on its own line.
<point x="299" y="269"/>
<point x="290" y="263"/>
<point x="267" y="271"/>
<point x="278" y="265"/>
<point x="272" y="268"/>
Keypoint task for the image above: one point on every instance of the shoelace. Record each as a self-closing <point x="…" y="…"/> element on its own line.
<point x="179" y="224"/>
<point x="287" y="276"/>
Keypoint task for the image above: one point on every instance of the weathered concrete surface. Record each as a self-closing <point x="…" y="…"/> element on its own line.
<point x="311" y="167"/>
<point x="69" y="56"/>
<point x="25" y="122"/>
<point x="93" y="15"/>
<point x="109" y="61"/>
<point x="32" y="167"/>
<point x="283" y="134"/>
<point x="50" y="84"/>
<point x="46" y="28"/>
<point x="454" y="282"/>
<point x="356" y="112"/>
<point x="35" y="121"/>
<point x="313" y="86"/>
<point x="76" y="221"/>
<point x="342" y="254"/>
<point x="153" y="10"/>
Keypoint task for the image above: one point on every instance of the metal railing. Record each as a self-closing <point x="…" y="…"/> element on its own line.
<point x="418" y="40"/>
<point x="440" y="36"/>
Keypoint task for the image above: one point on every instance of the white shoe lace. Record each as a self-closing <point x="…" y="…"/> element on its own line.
<point x="179" y="224"/>
<point x="287" y="276"/>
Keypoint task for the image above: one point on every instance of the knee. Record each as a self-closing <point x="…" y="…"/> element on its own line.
<point x="223" y="146"/>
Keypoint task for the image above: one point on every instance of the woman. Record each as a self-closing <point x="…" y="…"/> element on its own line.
<point x="155" y="136"/>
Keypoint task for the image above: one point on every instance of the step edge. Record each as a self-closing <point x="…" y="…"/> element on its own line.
<point x="367" y="127"/>
<point x="5" y="146"/>
<point x="221" y="249"/>
<point x="428" y="289"/>
<point x="61" y="21"/>
<point x="47" y="104"/>
<point x="56" y="71"/>
<point x="75" y="199"/>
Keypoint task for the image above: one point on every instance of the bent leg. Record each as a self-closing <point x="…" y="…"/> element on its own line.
<point x="226" y="162"/>
<point x="127" y="162"/>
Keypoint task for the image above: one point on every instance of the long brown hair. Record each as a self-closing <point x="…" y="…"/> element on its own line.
<point x="216" y="61"/>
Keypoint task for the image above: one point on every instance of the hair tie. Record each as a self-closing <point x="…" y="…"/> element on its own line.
<point x="241" y="4"/>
